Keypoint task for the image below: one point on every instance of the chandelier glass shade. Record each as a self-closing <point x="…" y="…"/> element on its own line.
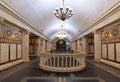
<point x="63" y="13"/>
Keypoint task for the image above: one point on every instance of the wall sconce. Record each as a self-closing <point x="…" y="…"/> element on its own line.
<point x="115" y="31"/>
<point x="8" y="33"/>
<point x="17" y="35"/>
<point x="110" y="35"/>
<point x="12" y="35"/>
<point x="106" y="34"/>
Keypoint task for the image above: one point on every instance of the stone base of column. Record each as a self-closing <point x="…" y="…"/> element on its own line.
<point x="26" y="59"/>
<point x="97" y="60"/>
<point x="38" y="54"/>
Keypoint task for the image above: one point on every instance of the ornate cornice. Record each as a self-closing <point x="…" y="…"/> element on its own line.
<point x="104" y="16"/>
<point x="13" y="13"/>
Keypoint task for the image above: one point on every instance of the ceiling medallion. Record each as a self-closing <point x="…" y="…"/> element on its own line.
<point x="63" y="13"/>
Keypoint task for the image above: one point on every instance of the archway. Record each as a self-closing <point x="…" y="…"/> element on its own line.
<point x="61" y="44"/>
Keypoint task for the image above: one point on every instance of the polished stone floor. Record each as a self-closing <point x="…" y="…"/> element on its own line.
<point x="30" y="72"/>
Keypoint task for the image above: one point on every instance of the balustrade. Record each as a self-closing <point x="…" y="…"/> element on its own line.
<point x="62" y="62"/>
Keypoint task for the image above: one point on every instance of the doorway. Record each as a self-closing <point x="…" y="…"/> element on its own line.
<point x="61" y="44"/>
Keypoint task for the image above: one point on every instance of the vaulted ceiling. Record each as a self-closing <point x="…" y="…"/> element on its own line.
<point x="40" y="14"/>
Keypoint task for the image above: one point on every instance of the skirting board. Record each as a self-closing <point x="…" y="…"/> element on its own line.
<point x="10" y="64"/>
<point x="116" y="65"/>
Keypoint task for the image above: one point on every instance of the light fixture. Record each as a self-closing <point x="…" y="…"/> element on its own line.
<point x="12" y="35"/>
<point x="61" y="35"/>
<point x="63" y="13"/>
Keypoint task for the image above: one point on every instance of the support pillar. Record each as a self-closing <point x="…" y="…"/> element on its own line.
<point x="38" y="46"/>
<point x="84" y="39"/>
<point x="78" y="45"/>
<point x="97" y="44"/>
<point x="25" y="46"/>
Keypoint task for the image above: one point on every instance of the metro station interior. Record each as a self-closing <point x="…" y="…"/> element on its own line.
<point x="59" y="40"/>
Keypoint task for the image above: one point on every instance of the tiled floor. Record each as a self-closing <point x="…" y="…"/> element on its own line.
<point x="30" y="72"/>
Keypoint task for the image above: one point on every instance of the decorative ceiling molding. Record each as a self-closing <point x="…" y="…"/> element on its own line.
<point x="39" y="14"/>
<point x="10" y="11"/>
<point x="107" y="14"/>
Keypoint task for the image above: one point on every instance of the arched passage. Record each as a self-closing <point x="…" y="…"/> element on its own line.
<point x="61" y="44"/>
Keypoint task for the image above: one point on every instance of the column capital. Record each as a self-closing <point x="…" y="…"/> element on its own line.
<point x="84" y="37"/>
<point x="27" y="32"/>
<point x="78" y="39"/>
<point x="96" y="32"/>
<point x="2" y="19"/>
<point x="38" y="37"/>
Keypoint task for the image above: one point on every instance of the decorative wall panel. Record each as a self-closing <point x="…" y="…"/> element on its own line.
<point x="4" y="55"/>
<point x="19" y="51"/>
<point x="13" y="52"/>
<point x="104" y="50"/>
<point x="118" y="52"/>
<point x="111" y="54"/>
<point x="111" y="37"/>
<point x="10" y="37"/>
<point x="111" y="34"/>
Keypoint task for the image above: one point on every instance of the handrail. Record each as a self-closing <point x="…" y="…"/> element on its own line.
<point x="62" y="62"/>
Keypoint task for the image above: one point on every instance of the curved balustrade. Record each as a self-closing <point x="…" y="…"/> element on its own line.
<point x="62" y="62"/>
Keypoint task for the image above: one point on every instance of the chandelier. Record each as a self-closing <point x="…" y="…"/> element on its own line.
<point x="63" y="13"/>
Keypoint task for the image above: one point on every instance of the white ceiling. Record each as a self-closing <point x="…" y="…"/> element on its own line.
<point x="40" y="14"/>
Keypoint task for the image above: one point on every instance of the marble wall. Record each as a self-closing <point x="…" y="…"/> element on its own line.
<point x="111" y="42"/>
<point x="10" y="44"/>
<point x="4" y="54"/>
<point x="118" y="52"/>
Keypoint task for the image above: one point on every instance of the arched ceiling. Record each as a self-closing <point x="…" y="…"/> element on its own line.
<point x="40" y="14"/>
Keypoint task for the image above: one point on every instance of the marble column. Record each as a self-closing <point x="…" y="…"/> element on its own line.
<point x="73" y="45"/>
<point x="97" y="44"/>
<point x="46" y="45"/>
<point x="38" y="46"/>
<point x="81" y="44"/>
<point x="85" y="44"/>
<point x="25" y="45"/>
<point x="49" y="45"/>
<point x="78" y="45"/>
<point x="43" y="45"/>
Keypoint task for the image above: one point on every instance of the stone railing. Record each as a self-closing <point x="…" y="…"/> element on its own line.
<point x="62" y="62"/>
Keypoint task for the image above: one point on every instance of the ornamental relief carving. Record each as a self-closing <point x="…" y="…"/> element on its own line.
<point x="111" y="34"/>
<point x="9" y="34"/>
